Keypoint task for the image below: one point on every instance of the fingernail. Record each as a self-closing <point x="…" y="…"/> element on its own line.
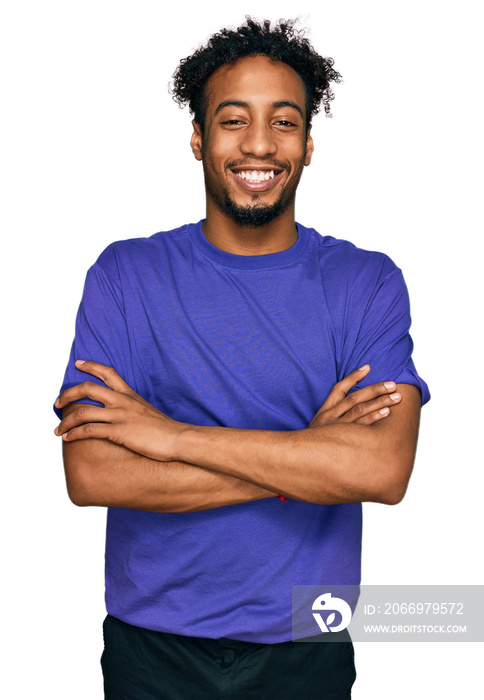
<point x="395" y="396"/>
<point x="80" y="362"/>
<point x="363" y="368"/>
<point x="56" y="402"/>
<point x="389" y="385"/>
<point x="384" y="411"/>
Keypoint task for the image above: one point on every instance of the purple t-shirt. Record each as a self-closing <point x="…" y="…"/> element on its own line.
<point x="212" y="338"/>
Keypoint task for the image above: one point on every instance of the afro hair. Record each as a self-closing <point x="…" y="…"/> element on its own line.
<point x="281" y="42"/>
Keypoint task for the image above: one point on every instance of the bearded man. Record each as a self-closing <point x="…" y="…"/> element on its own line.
<point x="220" y="423"/>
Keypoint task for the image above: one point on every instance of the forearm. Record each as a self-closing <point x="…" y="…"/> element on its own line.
<point x="323" y="465"/>
<point x="332" y="464"/>
<point x="347" y="454"/>
<point x="100" y="473"/>
<point x="338" y="463"/>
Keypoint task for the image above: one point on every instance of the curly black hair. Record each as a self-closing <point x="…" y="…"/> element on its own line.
<point x="283" y="42"/>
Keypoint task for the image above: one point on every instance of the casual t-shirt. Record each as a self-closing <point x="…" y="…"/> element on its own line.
<point x="212" y="338"/>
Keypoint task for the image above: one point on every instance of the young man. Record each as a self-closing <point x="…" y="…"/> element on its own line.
<point x="221" y="357"/>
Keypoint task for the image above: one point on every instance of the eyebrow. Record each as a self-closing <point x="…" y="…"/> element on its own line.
<point x="231" y="103"/>
<point x="245" y="105"/>
<point x="288" y="103"/>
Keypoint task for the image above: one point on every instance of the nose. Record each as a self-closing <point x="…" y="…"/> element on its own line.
<point x="258" y="140"/>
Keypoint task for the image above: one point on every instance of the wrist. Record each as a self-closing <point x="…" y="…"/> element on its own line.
<point x="181" y="443"/>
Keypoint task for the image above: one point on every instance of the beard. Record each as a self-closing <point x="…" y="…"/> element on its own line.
<point x="255" y="215"/>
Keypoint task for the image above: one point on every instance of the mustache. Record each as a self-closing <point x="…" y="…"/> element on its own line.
<point x="254" y="162"/>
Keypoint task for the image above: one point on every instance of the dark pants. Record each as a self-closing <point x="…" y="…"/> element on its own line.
<point x="140" y="664"/>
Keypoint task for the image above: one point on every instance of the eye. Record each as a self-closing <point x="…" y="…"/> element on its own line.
<point x="285" y="123"/>
<point x="233" y="122"/>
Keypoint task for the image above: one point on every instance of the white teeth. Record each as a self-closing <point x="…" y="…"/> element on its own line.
<point x="256" y="175"/>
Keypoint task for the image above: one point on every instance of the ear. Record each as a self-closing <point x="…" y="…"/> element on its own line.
<point x="196" y="140"/>
<point x="309" y="147"/>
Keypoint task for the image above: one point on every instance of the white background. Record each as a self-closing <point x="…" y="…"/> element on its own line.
<point x="94" y="150"/>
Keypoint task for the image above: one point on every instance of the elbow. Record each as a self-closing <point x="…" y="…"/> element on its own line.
<point x="78" y="497"/>
<point x="393" y="495"/>
<point x="78" y="480"/>
<point x="78" y="501"/>
<point x="78" y="491"/>
<point x="393" y="485"/>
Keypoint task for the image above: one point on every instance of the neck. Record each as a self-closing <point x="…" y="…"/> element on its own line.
<point x="274" y="237"/>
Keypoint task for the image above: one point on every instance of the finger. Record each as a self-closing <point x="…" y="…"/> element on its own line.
<point x="340" y="389"/>
<point x="90" y="430"/>
<point x="359" y="410"/>
<point x="368" y="393"/>
<point x="86" y="390"/>
<point x="108" y="375"/>
<point x="84" y="413"/>
<point x="356" y="400"/>
<point x="374" y="417"/>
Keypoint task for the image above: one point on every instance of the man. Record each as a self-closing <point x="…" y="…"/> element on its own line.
<point x="218" y="421"/>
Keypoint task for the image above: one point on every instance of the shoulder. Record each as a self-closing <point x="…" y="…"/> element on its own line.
<point x="122" y="257"/>
<point x="342" y="259"/>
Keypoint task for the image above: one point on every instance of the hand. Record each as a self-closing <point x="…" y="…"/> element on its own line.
<point x="125" y="419"/>
<point x="366" y="406"/>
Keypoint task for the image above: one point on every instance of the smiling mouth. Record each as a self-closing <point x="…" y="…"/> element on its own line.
<point x="260" y="178"/>
<point x="255" y="175"/>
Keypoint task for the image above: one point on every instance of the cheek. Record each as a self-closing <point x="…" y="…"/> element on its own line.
<point x="296" y="150"/>
<point x="213" y="161"/>
<point x="298" y="161"/>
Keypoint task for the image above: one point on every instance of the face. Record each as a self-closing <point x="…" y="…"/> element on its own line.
<point x="255" y="143"/>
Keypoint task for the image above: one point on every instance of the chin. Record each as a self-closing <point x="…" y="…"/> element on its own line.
<point x="254" y="216"/>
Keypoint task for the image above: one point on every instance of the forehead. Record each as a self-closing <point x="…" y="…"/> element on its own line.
<point x="257" y="80"/>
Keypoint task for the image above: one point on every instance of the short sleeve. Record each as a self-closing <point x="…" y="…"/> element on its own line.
<point x="101" y="332"/>
<point x="378" y="333"/>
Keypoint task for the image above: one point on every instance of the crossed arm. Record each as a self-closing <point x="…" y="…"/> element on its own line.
<point x="359" y="447"/>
